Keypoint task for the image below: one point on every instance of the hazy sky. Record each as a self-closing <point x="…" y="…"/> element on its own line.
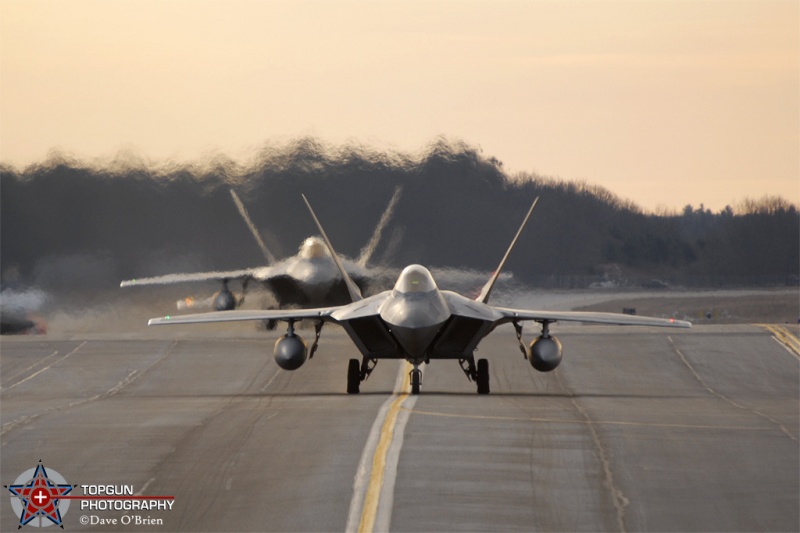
<point x="663" y="102"/>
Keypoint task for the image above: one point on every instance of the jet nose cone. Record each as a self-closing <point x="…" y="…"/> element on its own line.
<point x="416" y="341"/>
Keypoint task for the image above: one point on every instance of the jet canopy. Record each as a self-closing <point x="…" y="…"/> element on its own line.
<point x="415" y="279"/>
<point x="313" y="248"/>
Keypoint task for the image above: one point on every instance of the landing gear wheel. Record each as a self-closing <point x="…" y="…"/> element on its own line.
<point x="416" y="380"/>
<point x="483" y="376"/>
<point x="353" y="376"/>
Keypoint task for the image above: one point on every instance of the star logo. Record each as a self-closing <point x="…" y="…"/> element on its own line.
<point x="37" y="494"/>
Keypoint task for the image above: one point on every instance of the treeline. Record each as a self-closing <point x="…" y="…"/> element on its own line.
<point x="66" y="221"/>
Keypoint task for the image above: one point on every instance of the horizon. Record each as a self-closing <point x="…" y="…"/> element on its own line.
<point x="662" y="103"/>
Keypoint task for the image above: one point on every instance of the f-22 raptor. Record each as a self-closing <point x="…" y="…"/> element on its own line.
<point x="418" y="322"/>
<point x="308" y="279"/>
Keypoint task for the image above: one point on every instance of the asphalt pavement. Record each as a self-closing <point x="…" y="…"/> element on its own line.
<point x="639" y="429"/>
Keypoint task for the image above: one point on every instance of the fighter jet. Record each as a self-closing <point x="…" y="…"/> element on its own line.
<point x="308" y="279"/>
<point x="19" y="308"/>
<point x="418" y="322"/>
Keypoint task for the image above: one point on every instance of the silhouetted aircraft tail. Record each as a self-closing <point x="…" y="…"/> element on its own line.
<point x="487" y="289"/>
<point x="352" y="288"/>
<point x="271" y="260"/>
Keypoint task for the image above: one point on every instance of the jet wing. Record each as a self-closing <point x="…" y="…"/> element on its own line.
<point x="192" y="277"/>
<point x="619" y="319"/>
<point x="255" y="314"/>
<point x="472" y="320"/>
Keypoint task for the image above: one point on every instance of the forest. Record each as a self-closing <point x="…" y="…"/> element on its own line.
<point x="89" y="224"/>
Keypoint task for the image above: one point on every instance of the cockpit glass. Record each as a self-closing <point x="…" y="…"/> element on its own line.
<point x="415" y="279"/>
<point x="313" y="248"/>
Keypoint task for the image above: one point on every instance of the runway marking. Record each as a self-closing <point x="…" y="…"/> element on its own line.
<point x="144" y="487"/>
<point x="724" y="398"/>
<point x="372" y="497"/>
<point x="43" y="369"/>
<point x="30" y="418"/>
<point x="785" y="338"/>
<point x="127" y="380"/>
<point x="37" y="363"/>
<point x="373" y="486"/>
<point x="585" y="422"/>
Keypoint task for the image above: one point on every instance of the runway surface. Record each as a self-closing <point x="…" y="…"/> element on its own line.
<point x="639" y="429"/>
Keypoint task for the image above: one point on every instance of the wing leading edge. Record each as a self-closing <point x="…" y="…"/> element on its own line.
<point x="167" y="279"/>
<point x="460" y="307"/>
<point x="243" y="315"/>
<point x="618" y="319"/>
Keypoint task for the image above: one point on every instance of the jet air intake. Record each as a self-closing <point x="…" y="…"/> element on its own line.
<point x="545" y="353"/>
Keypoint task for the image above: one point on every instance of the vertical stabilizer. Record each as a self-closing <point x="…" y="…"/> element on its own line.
<point x="369" y="249"/>
<point x="487" y="289"/>
<point x="264" y="250"/>
<point x="352" y="288"/>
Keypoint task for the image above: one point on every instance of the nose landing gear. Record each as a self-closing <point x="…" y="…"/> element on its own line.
<point x="416" y="379"/>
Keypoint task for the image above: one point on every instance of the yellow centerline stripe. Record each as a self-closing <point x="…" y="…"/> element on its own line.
<point x="785" y="337"/>
<point x="373" y="493"/>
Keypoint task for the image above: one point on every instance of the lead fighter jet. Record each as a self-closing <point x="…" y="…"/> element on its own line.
<point x="418" y="322"/>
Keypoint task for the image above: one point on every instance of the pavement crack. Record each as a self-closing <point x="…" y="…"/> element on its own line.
<point x="724" y="398"/>
<point x="617" y="495"/>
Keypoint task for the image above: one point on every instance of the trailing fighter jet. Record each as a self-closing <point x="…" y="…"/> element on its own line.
<point x="418" y="322"/>
<point x="308" y="279"/>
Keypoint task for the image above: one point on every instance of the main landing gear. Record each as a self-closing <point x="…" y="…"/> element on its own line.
<point x="479" y="374"/>
<point x="358" y="372"/>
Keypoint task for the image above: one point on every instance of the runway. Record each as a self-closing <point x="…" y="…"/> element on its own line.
<point x="639" y="429"/>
